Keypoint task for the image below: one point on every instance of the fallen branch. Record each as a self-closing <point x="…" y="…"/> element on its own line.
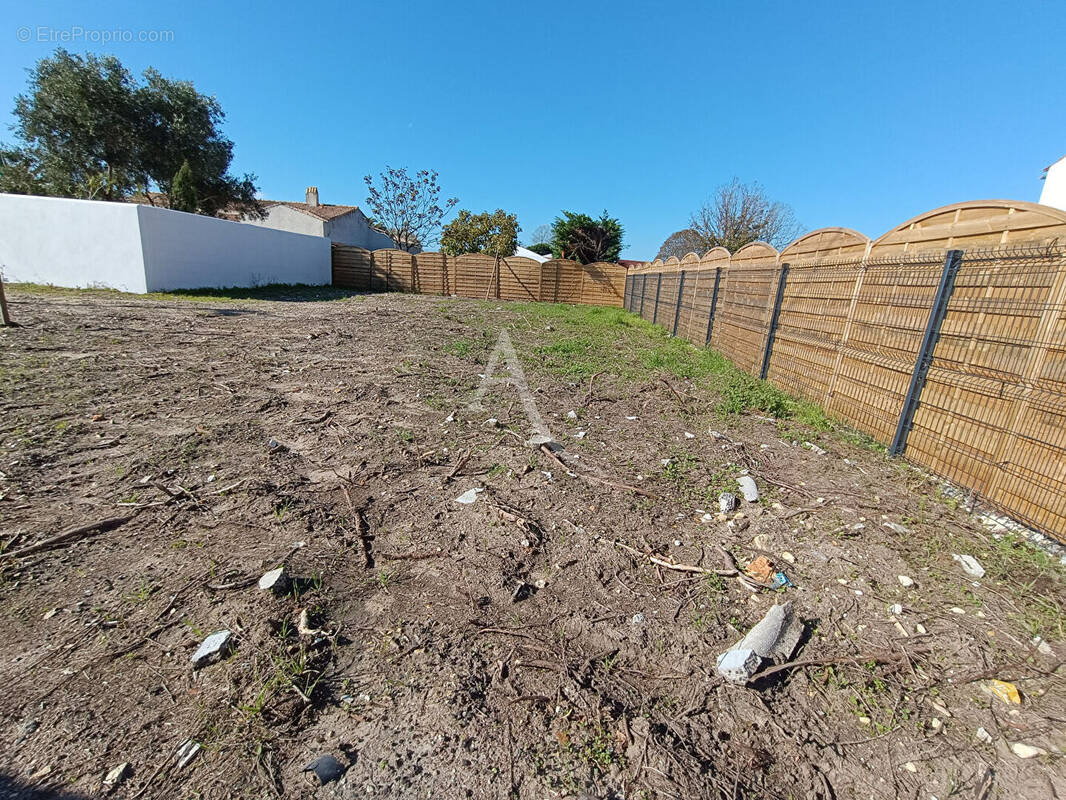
<point x="71" y="535"/>
<point x="879" y="657"/>
<point x="746" y="581"/>
<point x="595" y="478"/>
<point x="588" y="394"/>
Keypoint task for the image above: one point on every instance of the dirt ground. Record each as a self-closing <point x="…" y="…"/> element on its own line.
<point x="522" y="646"/>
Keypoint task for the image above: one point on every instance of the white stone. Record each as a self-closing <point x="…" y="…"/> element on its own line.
<point x="970" y="565"/>
<point x="1023" y="750"/>
<point x="275" y="581"/>
<point x="906" y="581"/>
<point x="214" y="647"/>
<point x="748" y="488"/>
<point x="469" y="496"/>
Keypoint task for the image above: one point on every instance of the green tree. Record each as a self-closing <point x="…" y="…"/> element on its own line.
<point x="495" y="234"/>
<point x="584" y="239"/>
<point x="86" y="128"/>
<point x="183" y="190"/>
<point x="681" y="243"/>
<point x="541" y="248"/>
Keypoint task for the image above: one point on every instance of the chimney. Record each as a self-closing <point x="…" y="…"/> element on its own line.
<point x="312" y="196"/>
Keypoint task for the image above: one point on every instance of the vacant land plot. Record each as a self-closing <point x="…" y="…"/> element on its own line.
<point x="523" y="645"/>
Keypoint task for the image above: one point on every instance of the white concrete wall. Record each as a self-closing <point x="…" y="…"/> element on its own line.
<point x="75" y="243"/>
<point x="190" y="251"/>
<point x="1054" y="192"/>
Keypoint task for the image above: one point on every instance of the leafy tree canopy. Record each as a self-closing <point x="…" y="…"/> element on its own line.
<point x="183" y="190"/>
<point x="586" y="240"/>
<point x="495" y="234"/>
<point x="541" y="248"/>
<point x="408" y="207"/>
<point x="87" y="128"/>
<point x="681" y="243"/>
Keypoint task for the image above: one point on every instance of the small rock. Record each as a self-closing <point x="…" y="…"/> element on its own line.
<point x="748" y="488"/>
<point x="571" y="414"/>
<point x="469" y="496"/>
<point x="276" y="447"/>
<point x="906" y="581"/>
<point x="51" y="613"/>
<point x="957" y="610"/>
<point x="895" y="526"/>
<point x="521" y="592"/>
<point x="1023" y="750"/>
<point x="984" y="736"/>
<point x="919" y="628"/>
<point x="117" y="775"/>
<point x="787" y="556"/>
<point x="864" y="720"/>
<point x="910" y="766"/>
<point x="761" y="542"/>
<point x="970" y="565"/>
<point x="897" y="608"/>
<point x="326" y="769"/>
<point x="689" y="435"/>
<point x="727" y="502"/>
<point x="814" y="448"/>
<point x="187" y="752"/>
<point x="537" y="440"/>
<point x="275" y="581"/>
<point x="1042" y="646"/>
<point x="213" y="648"/>
<point x="638" y="619"/>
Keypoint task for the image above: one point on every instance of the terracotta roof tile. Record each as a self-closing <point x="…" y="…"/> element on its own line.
<point x="325" y="211"/>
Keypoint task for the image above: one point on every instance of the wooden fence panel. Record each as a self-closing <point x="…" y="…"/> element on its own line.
<point x="352" y="266"/>
<point x="887" y="326"/>
<point x="431" y="273"/>
<point x="747" y="295"/>
<point x="603" y="284"/>
<point x="815" y="310"/>
<point x="519" y="278"/>
<point x="475" y="276"/>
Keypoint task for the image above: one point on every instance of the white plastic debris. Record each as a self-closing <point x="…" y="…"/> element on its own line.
<point x="571" y="415"/>
<point x="187" y="752"/>
<point x="897" y="528"/>
<point x="774" y="637"/>
<point x="689" y="435"/>
<point x="814" y="448"/>
<point x="469" y="496"/>
<point x="970" y="565"/>
<point x="748" y="488"/>
<point x="984" y="736"/>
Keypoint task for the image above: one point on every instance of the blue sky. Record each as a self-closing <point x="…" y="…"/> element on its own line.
<point x="857" y="114"/>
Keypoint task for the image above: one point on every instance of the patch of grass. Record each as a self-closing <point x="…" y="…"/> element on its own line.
<point x="459" y="347"/>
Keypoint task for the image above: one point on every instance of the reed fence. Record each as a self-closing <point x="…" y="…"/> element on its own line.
<point x="480" y="276"/>
<point x="944" y="339"/>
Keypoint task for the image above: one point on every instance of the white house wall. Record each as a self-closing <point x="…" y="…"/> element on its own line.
<point x="188" y="251"/>
<point x="74" y="243"/>
<point x="283" y="218"/>
<point x="1054" y="191"/>
<point x="354" y="229"/>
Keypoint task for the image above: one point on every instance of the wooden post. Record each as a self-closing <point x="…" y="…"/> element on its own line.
<point x="5" y="317"/>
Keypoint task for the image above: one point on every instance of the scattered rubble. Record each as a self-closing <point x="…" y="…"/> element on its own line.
<point x="215" y="647"/>
<point x="469" y="496"/>
<point x="117" y="775"/>
<point x="275" y="581"/>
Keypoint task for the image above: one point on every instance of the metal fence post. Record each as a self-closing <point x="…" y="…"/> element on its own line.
<point x="714" y="303"/>
<point x="925" y="354"/>
<point x="643" y="291"/>
<point x="772" y="333"/>
<point x="677" y="307"/>
<point x="658" y="288"/>
<point x="627" y="294"/>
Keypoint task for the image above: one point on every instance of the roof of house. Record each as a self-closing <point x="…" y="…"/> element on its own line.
<point x="324" y="211"/>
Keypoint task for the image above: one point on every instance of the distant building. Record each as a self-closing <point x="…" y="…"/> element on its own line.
<point x="1054" y="192"/>
<point x="525" y="253"/>
<point x="630" y="264"/>
<point x="341" y="224"/>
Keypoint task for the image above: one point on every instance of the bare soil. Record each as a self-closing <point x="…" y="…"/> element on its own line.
<point x="521" y="646"/>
